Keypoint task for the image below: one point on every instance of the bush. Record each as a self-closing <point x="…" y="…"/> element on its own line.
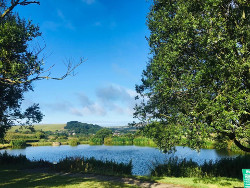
<point x="73" y="142"/>
<point x="18" y="143"/>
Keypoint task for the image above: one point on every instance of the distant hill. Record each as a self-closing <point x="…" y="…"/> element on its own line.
<point x="82" y="128"/>
<point x="123" y="129"/>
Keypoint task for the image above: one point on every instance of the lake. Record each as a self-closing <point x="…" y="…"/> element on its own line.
<point x="143" y="158"/>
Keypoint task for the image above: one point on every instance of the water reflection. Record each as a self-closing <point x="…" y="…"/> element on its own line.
<point x="143" y="158"/>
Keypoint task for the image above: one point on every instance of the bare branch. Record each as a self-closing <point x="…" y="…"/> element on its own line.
<point x="20" y="80"/>
<point x="14" y="3"/>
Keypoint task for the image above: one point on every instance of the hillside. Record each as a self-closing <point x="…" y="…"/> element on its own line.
<point x="43" y="127"/>
<point x="82" y="128"/>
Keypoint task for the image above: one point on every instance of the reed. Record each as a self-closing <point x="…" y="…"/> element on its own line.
<point x="226" y="167"/>
<point x="118" y="140"/>
<point x="92" y="165"/>
<point x="5" y="158"/>
<point x="143" y="141"/>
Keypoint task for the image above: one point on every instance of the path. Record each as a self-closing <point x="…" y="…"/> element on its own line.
<point x="130" y="181"/>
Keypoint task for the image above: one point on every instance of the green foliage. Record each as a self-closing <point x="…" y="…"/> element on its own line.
<point x="18" y="62"/>
<point x="197" y="82"/>
<point x="5" y="158"/>
<point x="118" y="140"/>
<point x="83" y="128"/>
<point x="143" y="141"/>
<point x="91" y="165"/>
<point x="103" y="133"/>
<point x="226" y="167"/>
<point x="96" y="141"/>
<point x="18" y="143"/>
<point x="40" y="135"/>
<point x="73" y="142"/>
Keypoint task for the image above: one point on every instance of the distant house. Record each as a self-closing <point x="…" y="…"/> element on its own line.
<point x="116" y="133"/>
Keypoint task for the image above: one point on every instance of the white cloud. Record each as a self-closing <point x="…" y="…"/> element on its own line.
<point x="110" y="100"/>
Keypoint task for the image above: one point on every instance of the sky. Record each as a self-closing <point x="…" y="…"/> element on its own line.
<point x="110" y="36"/>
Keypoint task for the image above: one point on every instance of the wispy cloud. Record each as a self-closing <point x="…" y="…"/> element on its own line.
<point x="93" y="109"/>
<point x="97" y="24"/>
<point x="50" y="25"/>
<point x="110" y="99"/>
<point x="63" y="106"/>
<point x="60" y="14"/>
<point x="89" y="2"/>
<point x="62" y="23"/>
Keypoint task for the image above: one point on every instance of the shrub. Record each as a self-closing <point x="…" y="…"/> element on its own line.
<point x="18" y="143"/>
<point x="73" y="142"/>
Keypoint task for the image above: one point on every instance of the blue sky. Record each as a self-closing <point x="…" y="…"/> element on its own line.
<point x="110" y="35"/>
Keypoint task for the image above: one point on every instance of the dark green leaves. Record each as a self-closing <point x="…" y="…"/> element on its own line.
<point x="196" y="84"/>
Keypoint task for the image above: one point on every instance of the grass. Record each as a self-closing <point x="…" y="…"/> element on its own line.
<point x="17" y="171"/>
<point x="44" y="127"/>
<point x="10" y="178"/>
<point x="216" y="182"/>
<point x="3" y="146"/>
<point x="226" y="167"/>
<point x="92" y="165"/>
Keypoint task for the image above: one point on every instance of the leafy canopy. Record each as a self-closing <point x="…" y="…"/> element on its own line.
<point x="196" y="84"/>
<point x="103" y="133"/>
<point x="20" y="66"/>
<point x="17" y="63"/>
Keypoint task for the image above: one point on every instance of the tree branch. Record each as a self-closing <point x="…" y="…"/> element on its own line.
<point x="21" y="80"/>
<point x="237" y="143"/>
<point x="14" y="3"/>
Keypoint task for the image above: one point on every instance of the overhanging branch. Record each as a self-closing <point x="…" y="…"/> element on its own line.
<point x="14" y="3"/>
<point x="237" y="143"/>
<point x="20" y="80"/>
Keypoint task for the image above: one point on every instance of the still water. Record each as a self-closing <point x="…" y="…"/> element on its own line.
<point x="143" y="158"/>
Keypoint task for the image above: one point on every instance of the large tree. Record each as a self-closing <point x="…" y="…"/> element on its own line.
<point x="196" y="84"/>
<point x="20" y="66"/>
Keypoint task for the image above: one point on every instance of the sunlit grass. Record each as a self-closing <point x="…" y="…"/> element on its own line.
<point x="216" y="182"/>
<point x="17" y="178"/>
<point x="44" y="127"/>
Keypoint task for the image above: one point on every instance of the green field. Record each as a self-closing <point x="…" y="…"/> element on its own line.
<point x="44" y="127"/>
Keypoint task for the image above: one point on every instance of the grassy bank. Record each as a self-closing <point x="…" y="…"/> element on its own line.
<point x="10" y="178"/>
<point x="215" y="182"/>
<point x="18" y="171"/>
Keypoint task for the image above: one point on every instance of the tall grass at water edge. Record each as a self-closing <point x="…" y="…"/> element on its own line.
<point x="21" y="161"/>
<point x="226" y="167"/>
<point x="92" y="165"/>
<point x="78" y="164"/>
